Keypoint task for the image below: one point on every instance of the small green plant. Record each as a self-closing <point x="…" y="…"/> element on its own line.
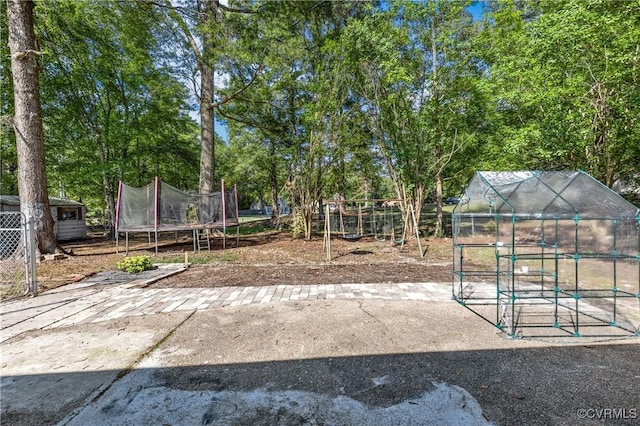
<point x="299" y="225"/>
<point x="134" y="264"/>
<point x="490" y="227"/>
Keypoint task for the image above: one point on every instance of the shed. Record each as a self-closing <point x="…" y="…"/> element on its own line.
<point x="69" y="216"/>
<point x="552" y="252"/>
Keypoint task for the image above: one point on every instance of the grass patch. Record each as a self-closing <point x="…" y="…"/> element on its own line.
<point x="227" y="257"/>
<point x="199" y="258"/>
<point x="439" y="251"/>
<point x="245" y="220"/>
<point x="447" y="209"/>
<point x="252" y="228"/>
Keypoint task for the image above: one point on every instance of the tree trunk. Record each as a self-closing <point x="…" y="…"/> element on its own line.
<point x="110" y="200"/>
<point x="439" y="217"/>
<point x="203" y="52"/>
<point x="418" y="202"/>
<point x="27" y="123"/>
<point x="273" y="179"/>
<point x="207" y="128"/>
<point x="438" y="131"/>
<point x="207" y="133"/>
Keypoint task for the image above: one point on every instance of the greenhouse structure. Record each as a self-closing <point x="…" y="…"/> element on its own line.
<point x="539" y="253"/>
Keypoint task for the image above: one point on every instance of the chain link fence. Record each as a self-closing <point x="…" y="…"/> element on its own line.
<point x="17" y="256"/>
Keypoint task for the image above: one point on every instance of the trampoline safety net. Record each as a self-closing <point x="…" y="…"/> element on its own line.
<point x="161" y="207"/>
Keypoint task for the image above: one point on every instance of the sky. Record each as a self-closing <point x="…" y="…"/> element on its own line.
<point x="221" y="130"/>
<point x="476" y="10"/>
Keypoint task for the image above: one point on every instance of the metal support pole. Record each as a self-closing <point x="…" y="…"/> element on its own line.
<point x="224" y="215"/>
<point x="235" y="194"/>
<point x="117" y="224"/>
<point x="576" y="294"/>
<point x="156" y="203"/>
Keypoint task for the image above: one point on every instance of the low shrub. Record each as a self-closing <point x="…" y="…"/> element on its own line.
<point x="490" y="227"/>
<point x="134" y="264"/>
<point x="299" y="225"/>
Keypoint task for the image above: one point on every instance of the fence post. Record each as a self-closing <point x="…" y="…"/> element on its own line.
<point x="33" y="279"/>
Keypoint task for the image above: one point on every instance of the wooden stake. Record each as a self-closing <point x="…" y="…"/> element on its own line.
<point x="327" y="232"/>
<point x="415" y="224"/>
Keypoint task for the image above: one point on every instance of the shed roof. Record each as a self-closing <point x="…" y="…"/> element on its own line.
<point x="544" y="194"/>
<point x="14" y="200"/>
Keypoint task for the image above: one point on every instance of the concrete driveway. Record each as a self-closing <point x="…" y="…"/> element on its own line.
<point x="96" y="353"/>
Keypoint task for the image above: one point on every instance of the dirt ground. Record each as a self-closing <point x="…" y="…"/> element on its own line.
<point x="267" y="258"/>
<point x="319" y="361"/>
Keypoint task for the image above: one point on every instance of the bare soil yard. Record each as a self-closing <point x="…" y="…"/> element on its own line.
<point x="266" y="258"/>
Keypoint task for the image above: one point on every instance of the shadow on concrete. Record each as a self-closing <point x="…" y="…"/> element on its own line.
<point x="533" y="386"/>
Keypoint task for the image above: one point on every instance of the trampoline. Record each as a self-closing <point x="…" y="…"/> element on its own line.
<point x="160" y="207"/>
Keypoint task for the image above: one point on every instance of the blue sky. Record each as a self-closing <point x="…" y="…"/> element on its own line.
<point x="476" y="10"/>
<point x="221" y="129"/>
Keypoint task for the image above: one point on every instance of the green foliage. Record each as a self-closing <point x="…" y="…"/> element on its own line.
<point x="8" y="162"/>
<point x="298" y="225"/>
<point x="490" y="227"/>
<point x="565" y="91"/>
<point x="113" y="110"/>
<point x="134" y="264"/>
<point x="353" y="99"/>
<point x="246" y="160"/>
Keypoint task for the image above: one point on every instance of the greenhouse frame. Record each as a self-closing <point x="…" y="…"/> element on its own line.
<point x="547" y="253"/>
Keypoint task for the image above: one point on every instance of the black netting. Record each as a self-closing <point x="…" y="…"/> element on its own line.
<point x="171" y="208"/>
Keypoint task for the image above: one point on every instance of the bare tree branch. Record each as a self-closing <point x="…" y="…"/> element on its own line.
<point x="231" y="9"/>
<point x="239" y="91"/>
<point x="173" y="11"/>
<point x="271" y="130"/>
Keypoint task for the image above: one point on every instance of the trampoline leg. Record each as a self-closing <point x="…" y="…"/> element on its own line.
<point x="195" y="240"/>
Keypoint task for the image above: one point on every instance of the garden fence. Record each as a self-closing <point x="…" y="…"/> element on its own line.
<point x="17" y="256"/>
